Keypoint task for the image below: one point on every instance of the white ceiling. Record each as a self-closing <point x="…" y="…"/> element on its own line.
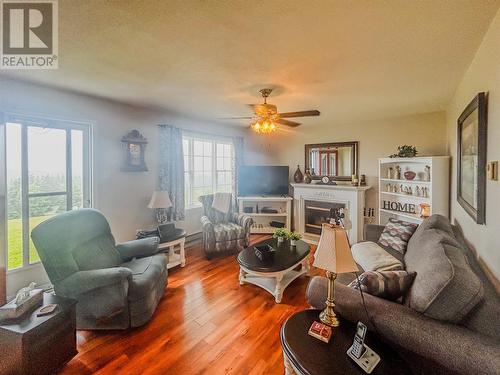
<point x="208" y="58"/>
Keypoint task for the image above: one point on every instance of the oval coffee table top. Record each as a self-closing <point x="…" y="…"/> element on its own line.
<point x="285" y="256"/>
<point x="311" y="356"/>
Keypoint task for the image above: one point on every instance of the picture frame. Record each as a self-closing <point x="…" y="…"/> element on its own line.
<point x="471" y="158"/>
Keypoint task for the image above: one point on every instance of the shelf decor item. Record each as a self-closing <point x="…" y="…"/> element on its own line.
<point x="134" y="145"/>
<point x="405" y="151"/>
<point x="471" y="158"/>
<point x="333" y="255"/>
<point x="410" y="175"/>
<point x="298" y="175"/>
<point x="307" y="177"/>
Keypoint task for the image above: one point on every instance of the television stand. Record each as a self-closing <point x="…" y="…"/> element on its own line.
<point x="262" y="220"/>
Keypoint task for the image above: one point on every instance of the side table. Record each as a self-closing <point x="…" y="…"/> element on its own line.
<point x="306" y="355"/>
<point x="39" y="345"/>
<point x="175" y="256"/>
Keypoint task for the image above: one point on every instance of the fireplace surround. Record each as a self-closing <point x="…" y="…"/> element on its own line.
<point x="313" y="205"/>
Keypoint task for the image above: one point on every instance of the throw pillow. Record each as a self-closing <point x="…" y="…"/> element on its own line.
<point x="396" y="234"/>
<point x="390" y="285"/>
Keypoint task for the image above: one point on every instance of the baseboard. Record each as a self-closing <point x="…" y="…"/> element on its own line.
<point x="489" y="274"/>
<point x="193" y="238"/>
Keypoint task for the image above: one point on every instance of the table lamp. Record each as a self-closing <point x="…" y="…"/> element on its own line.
<point x="159" y="202"/>
<point x="333" y="255"/>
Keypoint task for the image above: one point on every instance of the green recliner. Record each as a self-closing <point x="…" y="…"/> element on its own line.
<point x="116" y="286"/>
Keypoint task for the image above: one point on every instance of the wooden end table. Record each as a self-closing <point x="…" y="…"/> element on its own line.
<point x="175" y="256"/>
<point x="306" y="355"/>
<point x="39" y="344"/>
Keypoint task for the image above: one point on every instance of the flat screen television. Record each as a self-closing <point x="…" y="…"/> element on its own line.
<point x="262" y="180"/>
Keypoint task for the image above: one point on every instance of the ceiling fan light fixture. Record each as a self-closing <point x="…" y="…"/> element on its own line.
<point x="264" y="127"/>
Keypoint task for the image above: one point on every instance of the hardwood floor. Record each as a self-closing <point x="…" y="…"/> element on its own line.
<point x="205" y="324"/>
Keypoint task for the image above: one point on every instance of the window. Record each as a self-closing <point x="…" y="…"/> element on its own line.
<point x="47" y="173"/>
<point x="208" y="167"/>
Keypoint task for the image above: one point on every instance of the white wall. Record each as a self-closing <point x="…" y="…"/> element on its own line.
<point x="376" y="139"/>
<point x="121" y="196"/>
<point x="482" y="75"/>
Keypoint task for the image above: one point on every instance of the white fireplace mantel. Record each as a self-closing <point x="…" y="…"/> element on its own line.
<point x="352" y="196"/>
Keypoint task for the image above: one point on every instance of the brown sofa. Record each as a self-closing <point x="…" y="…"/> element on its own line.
<point x="449" y="322"/>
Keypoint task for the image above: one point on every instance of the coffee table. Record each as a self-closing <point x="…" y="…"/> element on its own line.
<point x="275" y="274"/>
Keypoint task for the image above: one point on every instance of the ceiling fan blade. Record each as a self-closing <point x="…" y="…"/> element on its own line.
<point x="287" y="123"/>
<point x="300" y="113"/>
<point x="235" y="118"/>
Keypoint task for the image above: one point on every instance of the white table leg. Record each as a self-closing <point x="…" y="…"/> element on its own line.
<point x="242" y="276"/>
<point x="307" y="266"/>
<point x="278" y="292"/>
<point x="183" y="253"/>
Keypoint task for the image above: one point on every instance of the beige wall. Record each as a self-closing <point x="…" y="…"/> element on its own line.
<point x="376" y="139"/>
<point x="121" y="196"/>
<point x="482" y="75"/>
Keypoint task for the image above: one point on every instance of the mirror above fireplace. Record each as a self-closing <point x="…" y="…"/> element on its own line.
<point x="337" y="160"/>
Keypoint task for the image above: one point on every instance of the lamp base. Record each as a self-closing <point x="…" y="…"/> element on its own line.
<point x="327" y="316"/>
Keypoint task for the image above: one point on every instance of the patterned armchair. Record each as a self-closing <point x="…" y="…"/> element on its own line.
<point x="223" y="232"/>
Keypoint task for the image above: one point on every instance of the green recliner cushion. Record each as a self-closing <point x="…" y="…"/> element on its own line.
<point x="99" y="252"/>
<point x="56" y="239"/>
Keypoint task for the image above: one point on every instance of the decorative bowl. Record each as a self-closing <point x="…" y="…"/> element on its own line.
<point x="410" y="175"/>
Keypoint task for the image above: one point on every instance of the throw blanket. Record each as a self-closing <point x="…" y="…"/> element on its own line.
<point x="222" y="202"/>
<point x="371" y="257"/>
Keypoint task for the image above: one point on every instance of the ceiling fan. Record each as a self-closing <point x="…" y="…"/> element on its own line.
<point x="267" y="118"/>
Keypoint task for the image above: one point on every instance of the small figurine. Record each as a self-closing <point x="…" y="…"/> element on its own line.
<point x="427" y="173"/>
<point x="417" y="191"/>
<point x="398" y="173"/>
<point x="389" y="173"/>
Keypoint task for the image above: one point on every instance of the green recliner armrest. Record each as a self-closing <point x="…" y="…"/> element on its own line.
<point x="85" y="281"/>
<point x="145" y="247"/>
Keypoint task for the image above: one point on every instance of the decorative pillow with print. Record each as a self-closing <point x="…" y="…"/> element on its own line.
<point x="396" y="234"/>
<point x="389" y="285"/>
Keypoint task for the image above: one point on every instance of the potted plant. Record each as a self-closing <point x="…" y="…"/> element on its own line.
<point x="294" y="237"/>
<point x="281" y="234"/>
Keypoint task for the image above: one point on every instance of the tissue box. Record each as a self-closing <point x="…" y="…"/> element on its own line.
<point x="13" y="311"/>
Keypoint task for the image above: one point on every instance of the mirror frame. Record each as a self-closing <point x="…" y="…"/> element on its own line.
<point x="354" y="153"/>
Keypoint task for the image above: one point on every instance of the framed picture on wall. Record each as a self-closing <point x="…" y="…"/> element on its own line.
<point x="471" y="158"/>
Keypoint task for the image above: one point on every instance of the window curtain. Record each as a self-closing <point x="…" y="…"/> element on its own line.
<point x="171" y="176"/>
<point x="238" y="162"/>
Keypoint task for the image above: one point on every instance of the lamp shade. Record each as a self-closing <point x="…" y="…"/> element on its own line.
<point x="333" y="253"/>
<point x="160" y="199"/>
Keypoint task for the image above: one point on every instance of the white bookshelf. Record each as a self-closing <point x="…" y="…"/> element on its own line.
<point x="261" y="220"/>
<point x="395" y="190"/>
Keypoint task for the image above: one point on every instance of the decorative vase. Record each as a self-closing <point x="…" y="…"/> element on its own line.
<point x="307" y="177"/>
<point x="410" y="175"/>
<point x="298" y="176"/>
<point x="281" y="239"/>
<point x="292" y="242"/>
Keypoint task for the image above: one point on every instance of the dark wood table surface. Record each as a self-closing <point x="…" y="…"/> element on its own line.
<point x="311" y="356"/>
<point x="285" y="256"/>
<point x="39" y="344"/>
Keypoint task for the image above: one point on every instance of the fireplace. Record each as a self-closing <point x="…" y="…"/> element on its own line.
<point x="318" y="212"/>
<point x="313" y="205"/>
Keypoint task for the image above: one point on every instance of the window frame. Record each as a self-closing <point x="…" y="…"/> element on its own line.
<point x="25" y="122"/>
<point x="214" y="140"/>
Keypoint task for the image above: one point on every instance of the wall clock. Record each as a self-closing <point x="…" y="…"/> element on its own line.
<point x="134" y="146"/>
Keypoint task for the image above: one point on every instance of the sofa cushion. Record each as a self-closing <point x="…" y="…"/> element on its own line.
<point x="228" y="232"/>
<point x="390" y="285"/>
<point x="396" y="234"/>
<point x="145" y="274"/>
<point x="445" y="287"/>
<point x="371" y="257"/>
